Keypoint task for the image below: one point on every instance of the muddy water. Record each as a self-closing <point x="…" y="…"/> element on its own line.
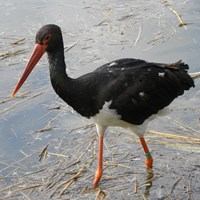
<point x="97" y="31"/>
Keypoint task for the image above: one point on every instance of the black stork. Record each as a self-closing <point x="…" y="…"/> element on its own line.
<point x="126" y="93"/>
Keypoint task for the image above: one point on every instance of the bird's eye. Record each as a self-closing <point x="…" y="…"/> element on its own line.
<point x="46" y="38"/>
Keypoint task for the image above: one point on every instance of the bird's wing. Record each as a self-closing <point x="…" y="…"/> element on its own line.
<point x="138" y="89"/>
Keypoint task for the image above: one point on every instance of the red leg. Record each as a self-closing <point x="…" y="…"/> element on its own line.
<point x="149" y="159"/>
<point x="99" y="170"/>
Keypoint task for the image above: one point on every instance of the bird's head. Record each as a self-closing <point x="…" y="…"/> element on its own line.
<point x="48" y="39"/>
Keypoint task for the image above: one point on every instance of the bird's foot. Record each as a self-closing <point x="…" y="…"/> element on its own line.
<point x="149" y="160"/>
<point x="97" y="178"/>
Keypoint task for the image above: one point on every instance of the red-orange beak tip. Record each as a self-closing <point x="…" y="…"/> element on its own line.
<point x="13" y="94"/>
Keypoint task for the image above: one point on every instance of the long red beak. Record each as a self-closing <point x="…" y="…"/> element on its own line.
<point x="35" y="57"/>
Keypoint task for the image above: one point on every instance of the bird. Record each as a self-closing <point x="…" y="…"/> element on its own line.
<point x="126" y="93"/>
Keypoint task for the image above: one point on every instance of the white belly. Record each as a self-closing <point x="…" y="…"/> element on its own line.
<point x="109" y="117"/>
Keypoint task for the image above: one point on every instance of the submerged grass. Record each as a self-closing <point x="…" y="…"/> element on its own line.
<point x="69" y="170"/>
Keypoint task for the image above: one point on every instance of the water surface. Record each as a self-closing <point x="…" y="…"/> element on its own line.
<point x="99" y="31"/>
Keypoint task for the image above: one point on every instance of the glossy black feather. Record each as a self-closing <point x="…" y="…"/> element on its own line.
<point x="136" y="89"/>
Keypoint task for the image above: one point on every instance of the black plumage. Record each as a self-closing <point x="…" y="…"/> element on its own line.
<point x="137" y="89"/>
<point x="125" y="92"/>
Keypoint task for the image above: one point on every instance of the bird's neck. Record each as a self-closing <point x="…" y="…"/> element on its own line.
<point x="64" y="86"/>
<point x="57" y="63"/>
<point x="73" y="91"/>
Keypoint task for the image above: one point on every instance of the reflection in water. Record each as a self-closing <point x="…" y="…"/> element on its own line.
<point x="148" y="182"/>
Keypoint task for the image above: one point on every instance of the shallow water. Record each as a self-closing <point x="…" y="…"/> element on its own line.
<point x="100" y="31"/>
